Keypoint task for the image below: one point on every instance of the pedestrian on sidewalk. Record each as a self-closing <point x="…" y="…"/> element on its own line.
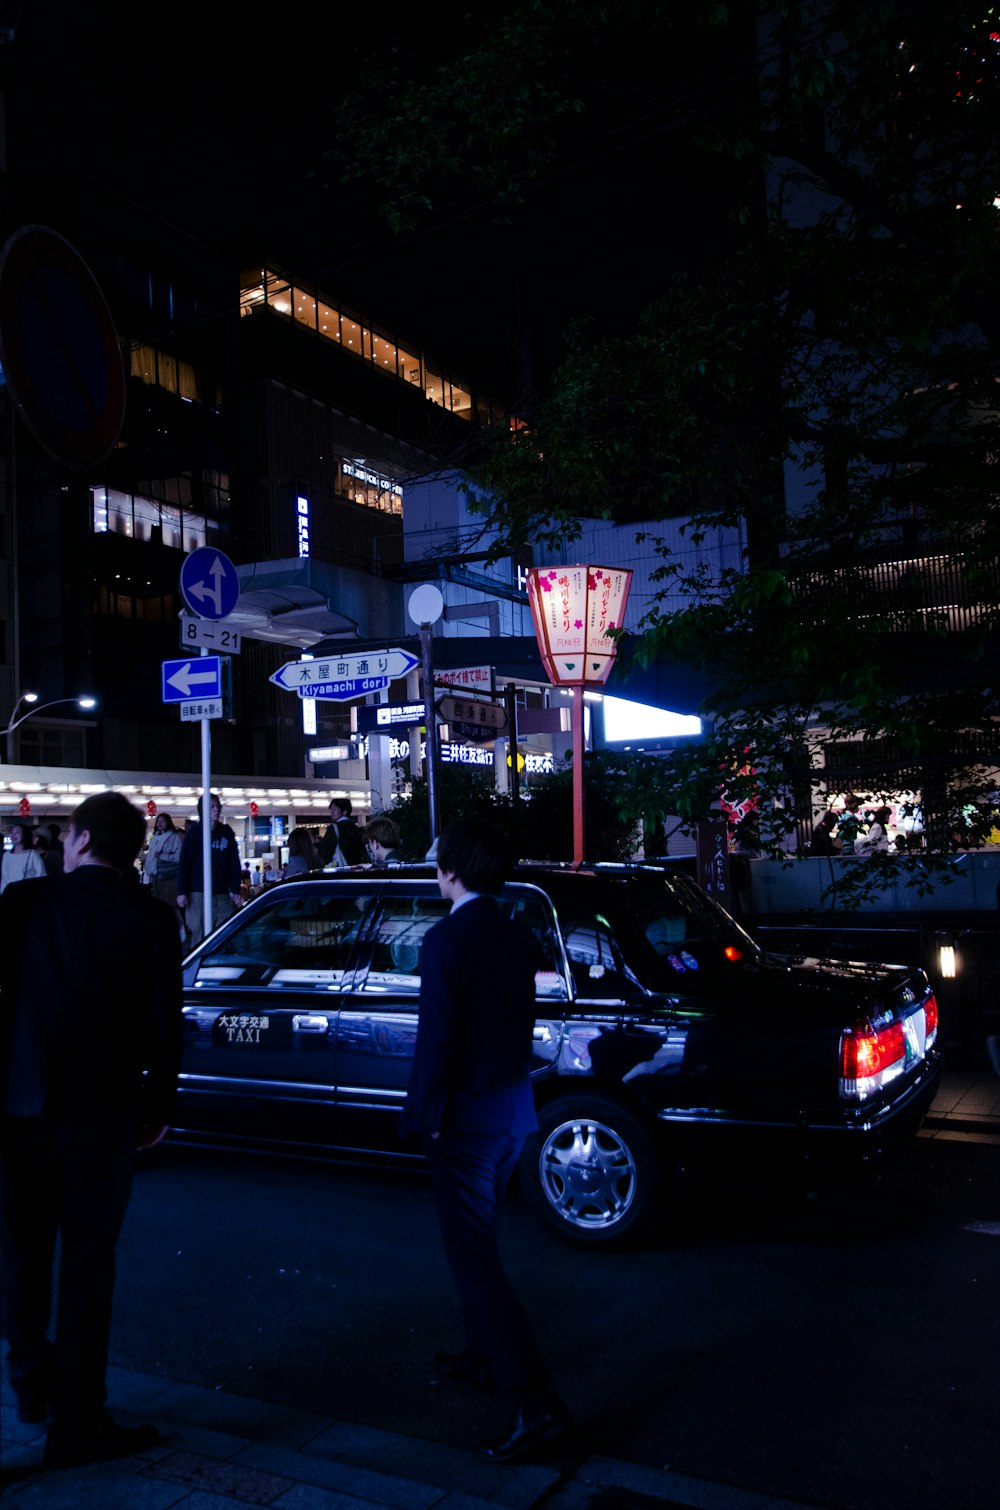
<point x="342" y="843"/>
<point x="470" y="1098"/>
<point x="22" y="861"/>
<point x="90" y="1001"/>
<point x="225" y="878"/>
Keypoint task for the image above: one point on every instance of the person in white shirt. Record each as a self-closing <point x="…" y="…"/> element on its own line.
<point x="22" y="860"/>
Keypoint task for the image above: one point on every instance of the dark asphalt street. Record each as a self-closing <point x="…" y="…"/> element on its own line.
<point x="839" y="1351"/>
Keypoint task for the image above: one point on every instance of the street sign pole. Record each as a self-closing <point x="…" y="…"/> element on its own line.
<point x="206" y="817"/>
<point x="515" y="778"/>
<point x="425" y="606"/>
<point x="430" y="722"/>
<point x="210" y="588"/>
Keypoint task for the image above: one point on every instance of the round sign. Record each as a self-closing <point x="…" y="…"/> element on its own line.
<point x="209" y="584"/>
<point x="425" y="604"/>
<point x="59" y="348"/>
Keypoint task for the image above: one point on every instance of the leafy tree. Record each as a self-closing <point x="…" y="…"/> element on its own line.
<point x="845" y="341"/>
<point x="539" y="823"/>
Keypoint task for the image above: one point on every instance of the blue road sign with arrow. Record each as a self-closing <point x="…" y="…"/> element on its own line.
<point x="209" y="584"/>
<point x="200" y="677"/>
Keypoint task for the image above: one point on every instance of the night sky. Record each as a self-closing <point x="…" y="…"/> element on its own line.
<point x="216" y="121"/>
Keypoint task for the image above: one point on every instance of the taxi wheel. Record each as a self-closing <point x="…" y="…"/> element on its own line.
<point x="590" y="1172"/>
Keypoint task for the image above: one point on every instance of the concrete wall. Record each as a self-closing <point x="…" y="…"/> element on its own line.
<point x="799" y="887"/>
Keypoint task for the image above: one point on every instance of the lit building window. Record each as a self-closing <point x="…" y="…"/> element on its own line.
<point x="376" y="347"/>
<point x="150" y="519"/>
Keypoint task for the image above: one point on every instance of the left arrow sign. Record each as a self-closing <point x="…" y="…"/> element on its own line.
<point x="186" y="678"/>
<point x="192" y="678"/>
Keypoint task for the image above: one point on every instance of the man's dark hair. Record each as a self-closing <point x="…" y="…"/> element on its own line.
<point x="383" y="830"/>
<point x="116" y="828"/>
<point x="477" y="852"/>
<point x="344" y="803"/>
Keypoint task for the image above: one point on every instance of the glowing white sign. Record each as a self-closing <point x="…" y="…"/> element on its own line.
<point x="302" y="524"/>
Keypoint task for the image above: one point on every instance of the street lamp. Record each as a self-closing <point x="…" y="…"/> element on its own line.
<point x="425" y="606"/>
<point x="574" y="610"/>
<point x="83" y="700"/>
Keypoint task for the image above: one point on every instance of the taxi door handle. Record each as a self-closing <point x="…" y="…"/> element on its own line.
<point x="310" y="1022"/>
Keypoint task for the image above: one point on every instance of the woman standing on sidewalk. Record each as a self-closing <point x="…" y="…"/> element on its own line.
<point x="22" y="860"/>
<point x="162" y="858"/>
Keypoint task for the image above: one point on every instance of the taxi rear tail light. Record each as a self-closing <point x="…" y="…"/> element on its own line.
<point x="870" y="1059"/>
<point x="930" y="1020"/>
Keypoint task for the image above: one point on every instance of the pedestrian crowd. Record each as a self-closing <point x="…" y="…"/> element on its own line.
<point x="851" y="830"/>
<point x="79" y="1096"/>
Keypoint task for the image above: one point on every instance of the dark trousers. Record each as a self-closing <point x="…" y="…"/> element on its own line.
<point x="71" y="1179"/>
<point x="469" y="1175"/>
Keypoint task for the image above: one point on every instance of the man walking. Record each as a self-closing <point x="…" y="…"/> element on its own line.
<point x="343" y="837"/>
<point x="89" y="1000"/>
<point x="226" y="874"/>
<point x="471" y="1099"/>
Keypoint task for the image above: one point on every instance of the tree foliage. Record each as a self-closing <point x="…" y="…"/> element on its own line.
<point x="825" y="388"/>
<point x="539" y="822"/>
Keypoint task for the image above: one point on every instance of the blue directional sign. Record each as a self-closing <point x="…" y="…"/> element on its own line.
<point x="209" y="584"/>
<point x="197" y="676"/>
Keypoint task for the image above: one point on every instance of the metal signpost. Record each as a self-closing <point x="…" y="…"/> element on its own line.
<point x="210" y="588"/>
<point x="425" y="605"/>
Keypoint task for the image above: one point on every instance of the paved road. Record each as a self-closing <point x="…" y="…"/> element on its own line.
<point x="840" y="1352"/>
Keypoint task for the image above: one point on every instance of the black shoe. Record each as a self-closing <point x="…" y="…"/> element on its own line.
<point x="65" y="1448"/>
<point x="466" y="1368"/>
<point x="528" y="1431"/>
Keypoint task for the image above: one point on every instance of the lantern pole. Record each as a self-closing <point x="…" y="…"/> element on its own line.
<point x="575" y="611"/>
<point x="578" y="799"/>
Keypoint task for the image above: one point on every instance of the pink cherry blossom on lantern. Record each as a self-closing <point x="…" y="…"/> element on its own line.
<point x="545" y="585"/>
<point x="577" y="623"/>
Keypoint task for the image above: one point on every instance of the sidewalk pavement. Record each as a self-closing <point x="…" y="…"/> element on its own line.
<point x="221" y="1451"/>
<point x="967" y="1101"/>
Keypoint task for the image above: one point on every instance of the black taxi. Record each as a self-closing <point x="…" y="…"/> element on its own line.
<point x="667" y="1043"/>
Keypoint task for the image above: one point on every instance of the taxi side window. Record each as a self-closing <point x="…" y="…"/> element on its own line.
<point x="395" y="950"/>
<point x="395" y="958"/>
<point x="595" y="959"/>
<point x="300" y="941"/>
<point x="535" y="916"/>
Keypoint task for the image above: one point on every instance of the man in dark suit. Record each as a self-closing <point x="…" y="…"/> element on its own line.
<point x="89" y="1000"/>
<point x="470" y="1098"/>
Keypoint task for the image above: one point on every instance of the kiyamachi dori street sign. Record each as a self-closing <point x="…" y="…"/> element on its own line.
<point x="343" y="677"/>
